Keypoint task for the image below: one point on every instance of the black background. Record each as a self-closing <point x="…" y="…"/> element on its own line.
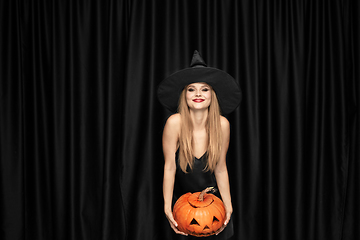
<point x="81" y="125"/>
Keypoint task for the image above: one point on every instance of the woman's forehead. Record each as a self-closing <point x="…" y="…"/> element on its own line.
<point x="199" y="84"/>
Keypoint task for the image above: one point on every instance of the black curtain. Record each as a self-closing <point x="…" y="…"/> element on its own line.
<point x="81" y="126"/>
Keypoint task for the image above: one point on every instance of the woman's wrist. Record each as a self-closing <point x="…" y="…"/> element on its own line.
<point x="167" y="208"/>
<point x="228" y="208"/>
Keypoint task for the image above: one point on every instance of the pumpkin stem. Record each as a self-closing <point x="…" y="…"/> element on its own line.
<point x="202" y="194"/>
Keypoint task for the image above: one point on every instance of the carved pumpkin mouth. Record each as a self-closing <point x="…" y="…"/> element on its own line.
<point x="203" y="234"/>
<point x="206" y="227"/>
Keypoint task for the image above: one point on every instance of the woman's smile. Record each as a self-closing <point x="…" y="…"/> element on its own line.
<point x="198" y="100"/>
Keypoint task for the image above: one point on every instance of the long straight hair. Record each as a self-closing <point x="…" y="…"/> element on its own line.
<point x="186" y="139"/>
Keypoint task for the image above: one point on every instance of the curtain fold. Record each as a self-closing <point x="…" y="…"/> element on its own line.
<point x="81" y="126"/>
<point x="11" y="121"/>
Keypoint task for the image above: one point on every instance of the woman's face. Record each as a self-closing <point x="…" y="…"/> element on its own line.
<point x="198" y="95"/>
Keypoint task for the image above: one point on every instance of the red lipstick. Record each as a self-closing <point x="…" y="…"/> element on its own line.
<point x="198" y="100"/>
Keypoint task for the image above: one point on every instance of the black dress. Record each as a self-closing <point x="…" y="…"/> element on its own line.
<point x="196" y="180"/>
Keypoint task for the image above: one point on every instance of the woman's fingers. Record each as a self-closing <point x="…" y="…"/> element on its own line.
<point x="171" y="219"/>
<point x="174" y="224"/>
<point x="228" y="216"/>
<point x="220" y="229"/>
<point x="177" y="231"/>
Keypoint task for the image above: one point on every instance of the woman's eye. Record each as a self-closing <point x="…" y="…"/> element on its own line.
<point x="191" y="90"/>
<point x="205" y="89"/>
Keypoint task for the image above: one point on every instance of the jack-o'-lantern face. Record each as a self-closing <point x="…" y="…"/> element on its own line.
<point x="204" y="226"/>
<point x="199" y="217"/>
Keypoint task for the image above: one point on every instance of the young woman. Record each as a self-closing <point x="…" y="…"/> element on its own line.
<point x="196" y="139"/>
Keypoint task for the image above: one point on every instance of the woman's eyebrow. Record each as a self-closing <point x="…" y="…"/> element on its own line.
<point x="205" y="85"/>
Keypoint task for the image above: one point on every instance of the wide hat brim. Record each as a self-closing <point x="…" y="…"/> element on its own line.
<point x="227" y="90"/>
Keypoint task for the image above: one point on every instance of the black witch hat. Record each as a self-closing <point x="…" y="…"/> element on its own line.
<point x="227" y="90"/>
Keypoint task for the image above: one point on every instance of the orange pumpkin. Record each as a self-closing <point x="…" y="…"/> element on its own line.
<point x="199" y="214"/>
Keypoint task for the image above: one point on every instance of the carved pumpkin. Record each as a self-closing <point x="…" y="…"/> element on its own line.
<point x="199" y="214"/>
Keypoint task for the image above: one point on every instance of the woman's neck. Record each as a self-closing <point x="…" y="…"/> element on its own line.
<point x="198" y="118"/>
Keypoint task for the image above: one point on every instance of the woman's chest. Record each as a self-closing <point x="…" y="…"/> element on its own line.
<point x="200" y="143"/>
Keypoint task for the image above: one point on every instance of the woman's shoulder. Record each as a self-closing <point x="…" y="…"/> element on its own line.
<point x="225" y="125"/>
<point x="224" y="122"/>
<point x="172" y="126"/>
<point x="174" y="120"/>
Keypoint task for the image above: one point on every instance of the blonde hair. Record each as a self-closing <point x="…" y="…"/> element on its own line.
<point x="213" y="129"/>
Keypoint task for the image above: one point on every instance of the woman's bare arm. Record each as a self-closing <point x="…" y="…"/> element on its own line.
<point x="221" y="172"/>
<point x="170" y="145"/>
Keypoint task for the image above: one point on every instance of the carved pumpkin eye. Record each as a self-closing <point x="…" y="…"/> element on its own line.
<point x="194" y="222"/>
<point x="215" y="219"/>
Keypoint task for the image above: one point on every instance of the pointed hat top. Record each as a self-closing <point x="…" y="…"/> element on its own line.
<point x="197" y="60"/>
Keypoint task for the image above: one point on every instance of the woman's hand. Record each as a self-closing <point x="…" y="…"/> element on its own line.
<point x="227" y="219"/>
<point x="173" y="223"/>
